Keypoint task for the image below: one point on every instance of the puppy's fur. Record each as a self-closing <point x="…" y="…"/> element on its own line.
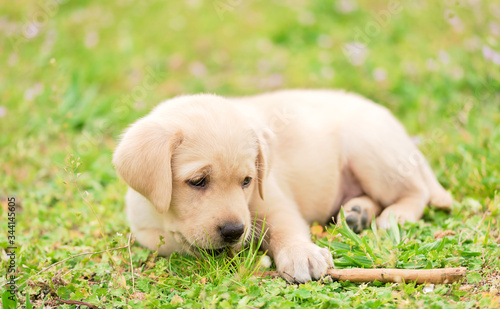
<point x="308" y="152"/>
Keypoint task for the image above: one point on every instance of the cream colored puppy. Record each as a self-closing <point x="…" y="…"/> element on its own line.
<point x="201" y="168"/>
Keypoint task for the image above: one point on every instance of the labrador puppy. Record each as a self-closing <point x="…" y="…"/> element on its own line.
<point x="203" y="168"/>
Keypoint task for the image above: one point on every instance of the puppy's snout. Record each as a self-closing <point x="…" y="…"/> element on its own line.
<point x="231" y="232"/>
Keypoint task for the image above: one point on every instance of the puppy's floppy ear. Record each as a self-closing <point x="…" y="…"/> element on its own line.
<point x="264" y="158"/>
<point x="143" y="159"/>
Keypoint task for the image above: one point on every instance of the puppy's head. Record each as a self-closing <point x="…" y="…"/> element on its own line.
<point x="198" y="161"/>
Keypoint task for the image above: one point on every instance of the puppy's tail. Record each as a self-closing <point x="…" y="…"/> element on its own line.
<point x="439" y="197"/>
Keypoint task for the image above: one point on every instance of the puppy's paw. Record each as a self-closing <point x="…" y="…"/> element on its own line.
<point x="356" y="218"/>
<point x="384" y="220"/>
<point x="303" y="262"/>
<point x="442" y="200"/>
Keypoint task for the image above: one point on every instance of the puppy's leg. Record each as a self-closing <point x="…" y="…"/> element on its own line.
<point x="359" y="212"/>
<point x="145" y="223"/>
<point x="391" y="169"/>
<point x="150" y="239"/>
<point x="408" y="208"/>
<point x="288" y="241"/>
<point x="296" y="257"/>
<point x="440" y="198"/>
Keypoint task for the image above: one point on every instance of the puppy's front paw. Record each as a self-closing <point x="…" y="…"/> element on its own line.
<point x="303" y="262"/>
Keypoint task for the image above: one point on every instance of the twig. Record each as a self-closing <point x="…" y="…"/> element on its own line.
<point x="66" y="259"/>
<point x="76" y="302"/>
<point x="74" y="256"/>
<point x="435" y="276"/>
<point x="131" y="264"/>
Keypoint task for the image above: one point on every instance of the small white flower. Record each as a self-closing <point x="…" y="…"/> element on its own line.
<point x="428" y="288"/>
<point x="346" y="6"/>
<point x="357" y="52"/>
<point x="379" y="74"/>
<point x="198" y="69"/>
<point x="452" y="18"/>
<point x="31" y="30"/>
<point x="91" y="39"/>
<point x="272" y="81"/>
<point x="31" y="93"/>
<point x="417" y="140"/>
<point x="265" y="261"/>
<point x="496" y="58"/>
<point x="444" y="57"/>
<point x="487" y="52"/>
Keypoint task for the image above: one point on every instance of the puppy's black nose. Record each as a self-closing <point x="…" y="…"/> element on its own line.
<point x="231" y="232"/>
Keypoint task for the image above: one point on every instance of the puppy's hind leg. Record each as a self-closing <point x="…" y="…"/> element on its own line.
<point x="408" y="208"/>
<point x="439" y="197"/>
<point x="359" y="212"/>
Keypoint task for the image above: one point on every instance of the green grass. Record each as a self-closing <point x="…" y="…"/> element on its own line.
<point x="94" y="67"/>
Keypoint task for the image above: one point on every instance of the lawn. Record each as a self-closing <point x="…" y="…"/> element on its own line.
<point x="74" y="74"/>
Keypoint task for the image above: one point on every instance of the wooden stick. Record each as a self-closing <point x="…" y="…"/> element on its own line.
<point x="76" y="302"/>
<point x="435" y="276"/>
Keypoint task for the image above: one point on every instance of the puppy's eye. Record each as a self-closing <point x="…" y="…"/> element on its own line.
<point x="246" y="182"/>
<point x="198" y="183"/>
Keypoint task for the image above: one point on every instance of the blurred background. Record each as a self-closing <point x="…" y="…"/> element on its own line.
<point x="74" y="74"/>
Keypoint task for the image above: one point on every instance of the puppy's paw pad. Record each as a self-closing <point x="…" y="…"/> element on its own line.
<point x="356" y="208"/>
<point x="356" y="218"/>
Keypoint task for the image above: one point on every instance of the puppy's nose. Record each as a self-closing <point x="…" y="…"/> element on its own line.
<point x="231" y="232"/>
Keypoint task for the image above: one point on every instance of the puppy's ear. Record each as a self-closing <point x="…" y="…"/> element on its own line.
<point x="143" y="160"/>
<point x="264" y="158"/>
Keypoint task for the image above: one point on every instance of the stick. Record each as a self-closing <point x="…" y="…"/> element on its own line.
<point x="435" y="276"/>
<point x="76" y="302"/>
<point x="62" y="261"/>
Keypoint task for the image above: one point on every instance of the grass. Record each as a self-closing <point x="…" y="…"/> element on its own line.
<point x="69" y="86"/>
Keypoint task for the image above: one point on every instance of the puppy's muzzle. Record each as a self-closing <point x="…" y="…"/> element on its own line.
<point x="231" y="232"/>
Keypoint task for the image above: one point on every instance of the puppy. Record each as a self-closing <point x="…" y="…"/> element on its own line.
<point x="201" y="168"/>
